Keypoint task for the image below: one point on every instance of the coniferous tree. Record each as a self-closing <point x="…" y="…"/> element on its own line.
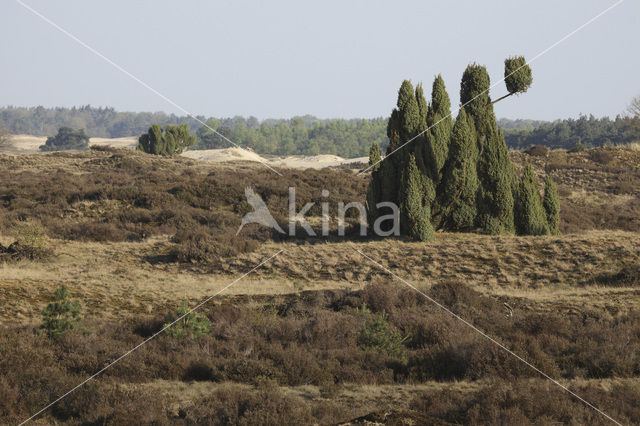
<point x="373" y="191"/>
<point x="409" y="112"/>
<point x="517" y="77"/>
<point x="530" y="217"/>
<point x="402" y="126"/>
<point x="459" y="187"/>
<point x="173" y="141"/>
<point x="374" y="195"/>
<point x="474" y="95"/>
<point x="67" y="139"/>
<point x="415" y="217"/>
<point x="419" y="146"/>
<point x="61" y="314"/>
<point x="374" y="157"/>
<point x="440" y="123"/>
<point x="495" y="198"/>
<point x="551" y="204"/>
<point x="422" y="108"/>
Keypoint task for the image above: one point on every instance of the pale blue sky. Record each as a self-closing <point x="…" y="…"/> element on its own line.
<point x="343" y="58"/>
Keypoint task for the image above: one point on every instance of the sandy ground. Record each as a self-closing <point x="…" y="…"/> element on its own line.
<point x="27" y="144"/>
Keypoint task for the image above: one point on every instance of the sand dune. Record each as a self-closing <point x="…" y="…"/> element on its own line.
<point x="293" y="161"/>
<point x="27" y="144"/>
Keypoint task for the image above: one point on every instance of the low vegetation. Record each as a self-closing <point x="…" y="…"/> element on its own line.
<point x="324" y="339"/>
<point x="30" y="243"/>
<point x="319" y="335"/>
<point x="67" y="139"/>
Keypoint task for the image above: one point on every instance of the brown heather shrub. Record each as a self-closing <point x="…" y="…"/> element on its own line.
<point x="537" y="150"/>
<point x="199" y="244"/>
<point x="577" y="217"/>
<point x="136" y="196"/>
<point x="266" y="405"/>
<point x="31" y="243"/>
<point x="601" y="156"/>
<point x="627" y="275"/>
<point x="312" y="339"/>
<point x="529" y="403"/>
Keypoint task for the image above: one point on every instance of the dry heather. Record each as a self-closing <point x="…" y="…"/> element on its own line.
<point x="573" y="272"/>
<point x="304" y="359"/>
<point x="320" y="334"/>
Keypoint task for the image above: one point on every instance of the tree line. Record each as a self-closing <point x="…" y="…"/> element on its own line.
<point x="305" y="135"/>
<point x="457" y="175"/>
<point x="587" y="131"/>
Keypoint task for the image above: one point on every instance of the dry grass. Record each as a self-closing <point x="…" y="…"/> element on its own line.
<point x="634" y="147"/>
<point x="114" y="278"/>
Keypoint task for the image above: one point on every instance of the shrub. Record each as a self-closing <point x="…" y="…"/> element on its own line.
<point x="61" y="314"/>
<point x="66" y="139"/>
<point x="233" y="404"/>
<point x="459" y="186"/>
<point x="579" y="147"/>
<point x="31" y="242"/>
<point x="551" y="204"/>
<point x="495" y="205"/>
<point x="374" y="156"/>
<point x="173" y="141"/>
<point x="415" y="215"/>
<point x="530" y="216"/>
<point x="627" y="276"/>
<point x="601" y="156"/>
<point x="5" y="137"/>
<point x="199" y="245"/>
<point x="190" y="324"/>
<point x="537" y="150"/>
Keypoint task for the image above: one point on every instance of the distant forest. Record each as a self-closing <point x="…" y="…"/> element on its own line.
<point x="305" y="135"/>
<point x="589" y="131"/>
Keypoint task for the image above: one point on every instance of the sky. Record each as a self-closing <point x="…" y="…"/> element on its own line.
<point x="331" y="59"/>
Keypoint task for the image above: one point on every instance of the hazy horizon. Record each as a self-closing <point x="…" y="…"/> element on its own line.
<point x="337" y="60"/>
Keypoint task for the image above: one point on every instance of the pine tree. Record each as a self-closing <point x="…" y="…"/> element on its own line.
<point x="551" y="204"/>
<point x="495" y="171"/>
<point x="374" y="157"/>
<point x="415" y="219"/>
<point x="61" y="314"/>
<point x="459" y="186"/>
<point x="530" y="217"/>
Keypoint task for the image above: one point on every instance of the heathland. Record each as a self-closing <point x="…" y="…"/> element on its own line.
<point x="320" y="334"/>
